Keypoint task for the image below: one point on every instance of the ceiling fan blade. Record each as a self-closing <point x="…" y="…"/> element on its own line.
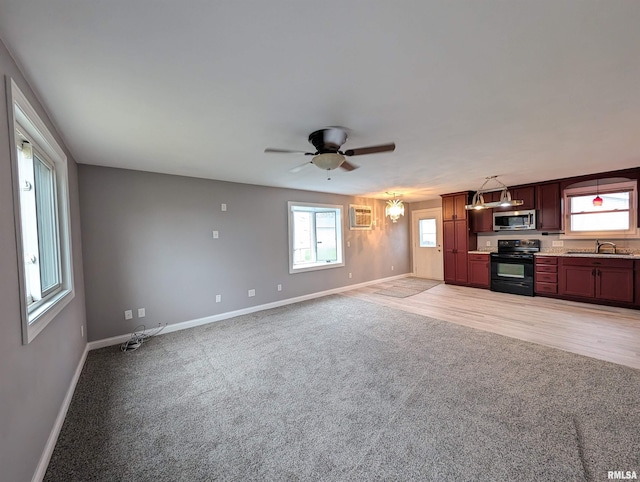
<point x="347" y="166"/>
<point x="288" y="151"/>
<point x="299" y="168"/>
<point x="370" y="150"/>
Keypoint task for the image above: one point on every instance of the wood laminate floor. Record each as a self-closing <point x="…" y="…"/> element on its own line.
<point x="603" y="332"/>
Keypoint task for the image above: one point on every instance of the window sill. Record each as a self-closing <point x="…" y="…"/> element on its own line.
<point x="45" y="313"/>
<point x="602" y="235"/>
<point x="315" y="267"/>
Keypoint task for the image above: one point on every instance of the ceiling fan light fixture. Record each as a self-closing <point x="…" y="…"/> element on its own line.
<point x="328" y="160"/>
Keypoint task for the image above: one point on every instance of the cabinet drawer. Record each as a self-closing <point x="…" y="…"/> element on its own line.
<point x="542" y="287"/>
<point x="596" y="262"/>
<point x="547" y="277"/>
<point x="479" y="257"/>
<point x="546" y="268"/>
<point x="546" y="260"/>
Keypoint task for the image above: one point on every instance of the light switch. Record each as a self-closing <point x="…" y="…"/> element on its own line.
<point x="223" y="207"/>
<point x="216" y="235"/>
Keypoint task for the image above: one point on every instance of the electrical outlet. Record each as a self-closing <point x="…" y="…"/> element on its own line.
<point x="141" y="313"/>
<point x="391" y="267"/>
<point x="218" y="298"/>
<point x="251" y="293"/>
<point x="128" y="315"/>
<point x="557" y="244"/>
<point x="279" y="287"/>
<point x="216" y="235"/>
<point x="223" y="207"/>
<point x="348" y="244"/>
<point x="350" y="276"/>
<point x="488" y="243"/>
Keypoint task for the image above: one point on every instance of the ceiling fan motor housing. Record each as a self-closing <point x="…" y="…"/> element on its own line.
<point x="328" y="140"/>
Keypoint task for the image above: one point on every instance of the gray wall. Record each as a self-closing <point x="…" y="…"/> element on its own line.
<point x="148" y="243"/>
<point x="34" y="378"/>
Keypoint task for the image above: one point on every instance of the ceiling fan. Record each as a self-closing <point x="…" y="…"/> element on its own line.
<point x="328" y="155"/>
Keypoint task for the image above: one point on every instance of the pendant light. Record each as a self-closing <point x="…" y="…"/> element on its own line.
<point x="505" y="196"/>
<point x="597" y="201"/>
<point x="394" y="209"/>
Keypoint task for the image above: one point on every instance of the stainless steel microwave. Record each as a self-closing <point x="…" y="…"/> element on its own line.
<point x="514" y="220"/>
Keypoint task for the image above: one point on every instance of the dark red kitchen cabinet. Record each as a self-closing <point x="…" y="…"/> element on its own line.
<point x="457" y="238"/>
<point x="479" y="272"/>
<point x="577" y="281"/>
<point x="456" y="245"/>
<point x="603" y="279"/>
<point x="615" y="284"/>
<point x="526" y="194"/>
<point x="546" y="275"/>
<point x="637" y="282"/>
<point x="482" y="219"/>
<point x="549" y="207"/>
<point x="453" y="206"/>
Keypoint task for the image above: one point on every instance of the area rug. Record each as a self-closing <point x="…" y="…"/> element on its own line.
<point x="405" y="287"/>
<point x="340" y="389"/>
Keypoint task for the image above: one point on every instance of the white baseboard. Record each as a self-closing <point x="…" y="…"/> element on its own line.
<point x="57" y="426"/>
<point x="116" y="340"/>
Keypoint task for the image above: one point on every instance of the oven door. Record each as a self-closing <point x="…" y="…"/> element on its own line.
<point x="512" y="273"/>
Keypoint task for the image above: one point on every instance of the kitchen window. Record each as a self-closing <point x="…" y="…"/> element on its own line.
<point x="615" y="216"/>
<point x="41" y="213"/>
<point x="315" y="236"/>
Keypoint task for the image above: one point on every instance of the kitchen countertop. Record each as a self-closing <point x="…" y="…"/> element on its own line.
<point x="576" y="254"/>
<point x="587" y="254"/>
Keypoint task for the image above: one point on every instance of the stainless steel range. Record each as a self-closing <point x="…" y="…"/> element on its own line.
<point x="512" y="266"/>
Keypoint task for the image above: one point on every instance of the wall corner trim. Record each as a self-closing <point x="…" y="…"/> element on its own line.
<point x="57" y="426"/>
<point x="116" y="340"/>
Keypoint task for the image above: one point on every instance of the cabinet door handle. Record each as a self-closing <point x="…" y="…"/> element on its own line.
<point x="599" y="272"/>
<point x="593" y="272"/>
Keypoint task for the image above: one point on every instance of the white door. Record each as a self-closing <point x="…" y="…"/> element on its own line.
<point x="426" y="225"/>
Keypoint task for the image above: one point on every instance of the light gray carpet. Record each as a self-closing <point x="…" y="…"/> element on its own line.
<point x="404" y="287"/>
<point x="342" y="389"/>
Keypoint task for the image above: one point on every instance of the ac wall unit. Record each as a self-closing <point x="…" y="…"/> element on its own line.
<point x="360" y="217"/>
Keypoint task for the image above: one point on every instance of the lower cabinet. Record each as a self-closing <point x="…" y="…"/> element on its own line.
<point x="597" y="279"/>
<point x="479" y="270"/>
<point x="546" y="275"/>
<point x="638" y="283"/>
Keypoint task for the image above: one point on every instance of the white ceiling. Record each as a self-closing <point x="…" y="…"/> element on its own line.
<point x="529" y="90"/>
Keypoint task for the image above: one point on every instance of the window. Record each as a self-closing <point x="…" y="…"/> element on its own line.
<point x="41" y="206"/>
<point x="428" y="234"/>
<point x="616" y="216"/>
<point x="315" y="236"/>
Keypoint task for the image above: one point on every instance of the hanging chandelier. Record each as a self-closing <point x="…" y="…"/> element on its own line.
<point x="394" y="209"/>
<point x="505" y="196"/>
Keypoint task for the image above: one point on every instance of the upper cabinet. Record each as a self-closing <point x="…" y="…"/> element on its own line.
<point x="527" y="194"/>
<point x="453" y="206"/>
<point x="482" y="219"/>
<point x="549" y="206"/>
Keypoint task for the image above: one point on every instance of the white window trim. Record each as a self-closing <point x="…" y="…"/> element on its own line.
<point x="340" y="241"/>
<point x="23" y="116"/>
<point x="633" y="231"/>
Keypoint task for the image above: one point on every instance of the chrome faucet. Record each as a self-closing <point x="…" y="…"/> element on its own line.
<point x="599" y="245"/>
